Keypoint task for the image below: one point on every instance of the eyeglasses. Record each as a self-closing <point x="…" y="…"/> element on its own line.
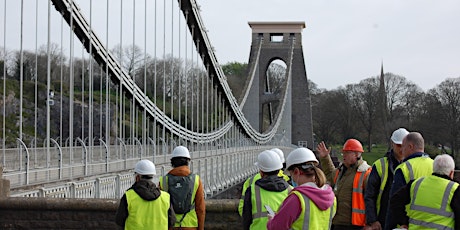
<point x="346" y="153"/>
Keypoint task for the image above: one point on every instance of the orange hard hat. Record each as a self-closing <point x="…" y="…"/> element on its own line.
<point x="352" y="145"/>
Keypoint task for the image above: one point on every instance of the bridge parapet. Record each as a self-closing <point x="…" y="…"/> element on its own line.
<point x="4" y="185"/>
<point x="54" y="213"/>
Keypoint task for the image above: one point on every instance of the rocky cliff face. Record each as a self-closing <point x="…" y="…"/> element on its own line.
<point x="34" y="118"/>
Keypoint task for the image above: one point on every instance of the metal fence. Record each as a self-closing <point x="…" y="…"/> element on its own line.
<point x="218" y="169"/>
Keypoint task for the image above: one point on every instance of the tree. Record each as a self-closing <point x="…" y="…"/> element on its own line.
<point x="326" y="119"/>
<point x="448" y="95"/>
<point x="236" y="74"/>
<point x="365" y="104"/>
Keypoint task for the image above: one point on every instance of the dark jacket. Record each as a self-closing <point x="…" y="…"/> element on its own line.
<point x="398" y="183"/>
<point x="399" y="201"/>
<point x="147" y="190"/>
<point x="373" y="188"/>
<point x="269" y="183"/>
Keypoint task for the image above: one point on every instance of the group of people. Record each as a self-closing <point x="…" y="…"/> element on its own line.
<point x="403" y="189"/>
<point x="176" y="203"/>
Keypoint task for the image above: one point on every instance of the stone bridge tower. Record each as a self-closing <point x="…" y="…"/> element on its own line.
<point x="273" y="41"/>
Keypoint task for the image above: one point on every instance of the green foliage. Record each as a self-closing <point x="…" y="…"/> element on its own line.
<point x="377" y="152"/>
<point x="236" y="74"/>
<point x="433" y="151"/>
<point x="235" y="69"/>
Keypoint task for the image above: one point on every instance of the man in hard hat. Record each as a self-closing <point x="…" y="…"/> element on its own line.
<point x="144" y="206"/>
<point x="377" y="193"/>
<point x="430" y="202"/>
<point x="193" y="215"/>
<point x="416" y="164"/>
<point x="251" y="180"/>
<point x="269" y="190"/>
<point x="348" y="180"/>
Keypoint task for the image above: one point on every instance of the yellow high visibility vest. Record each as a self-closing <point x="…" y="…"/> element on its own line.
<point x="143" y="214"/>
<point x="261" y="197"/>
<point x="430" y="203"/>
<point x="311" y="216"/>
<point x="190" y="219"/>
<point x="382" y="170"/>
<point x="416" y="167"/>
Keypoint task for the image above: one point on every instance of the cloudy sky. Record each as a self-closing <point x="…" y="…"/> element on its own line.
<point x="346" y="41"/>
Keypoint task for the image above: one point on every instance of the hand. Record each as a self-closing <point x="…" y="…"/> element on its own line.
<point x="270" y="216"/>
<point x="322" y="149"/>
<point x="404" y="226"/>
<point x="376" y="226"/>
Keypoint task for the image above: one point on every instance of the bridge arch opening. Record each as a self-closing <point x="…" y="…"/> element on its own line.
<point x="275" y="77"/>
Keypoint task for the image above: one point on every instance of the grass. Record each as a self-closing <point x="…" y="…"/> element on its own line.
<point x="377" y="152"/>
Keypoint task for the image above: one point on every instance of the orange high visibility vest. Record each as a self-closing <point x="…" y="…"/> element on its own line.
<point x="358" y="212"/>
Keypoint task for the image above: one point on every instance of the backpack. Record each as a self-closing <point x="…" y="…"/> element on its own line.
<point x="180" y="189"/>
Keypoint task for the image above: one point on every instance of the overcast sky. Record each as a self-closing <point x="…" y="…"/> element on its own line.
<point x="346" y="41"/>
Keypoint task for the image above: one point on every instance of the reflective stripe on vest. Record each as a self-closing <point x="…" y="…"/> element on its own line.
<point x="416" y="167"/>
<point x="249" y="182"/>
<point x="144" y="214"/>
<point x="358" y="214"/>
<point x="431" y="207"/>
<point x="190" y="219"/>
<point x="311" y="217"/>
<point x="382" y="170"/>
<point x="260" y="198"/>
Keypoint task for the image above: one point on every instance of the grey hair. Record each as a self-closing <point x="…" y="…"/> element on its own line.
<point x="443" y="164"/>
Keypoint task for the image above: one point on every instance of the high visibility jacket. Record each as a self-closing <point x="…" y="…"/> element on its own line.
<point x="430" y="203"/>
<point x="143" y="214"/>
<point x="190" y="219"/>
<point x="311" y="217"/>
<point x="358" y="212"/>
<point x="250" y="182"/>
<point x="382" y="167"/>
<point x="416" y="167"/>
<point x="261" y="197"/>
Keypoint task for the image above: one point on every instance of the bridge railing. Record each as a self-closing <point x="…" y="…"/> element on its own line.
<point x="218" y="171"/>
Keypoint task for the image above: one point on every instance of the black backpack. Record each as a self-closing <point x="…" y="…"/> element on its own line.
<point x="180" y="189"/>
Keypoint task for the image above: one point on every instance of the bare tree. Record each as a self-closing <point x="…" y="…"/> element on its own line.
<point x="365" y="104"/>
<point x="448" y="95"/>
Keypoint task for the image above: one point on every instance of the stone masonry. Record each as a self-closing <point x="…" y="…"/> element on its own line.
<point x="296" y="125"/>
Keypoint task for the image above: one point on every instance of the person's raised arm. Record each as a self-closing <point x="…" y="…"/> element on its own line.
<point x="322" y="150"/>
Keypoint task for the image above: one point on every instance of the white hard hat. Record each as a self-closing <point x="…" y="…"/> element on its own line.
<point x="180" y="151"/>
<point x="280" y="154"/>
<point x="145" y="167"/>
<point x="299" y="156"/>
<point x="398" y="135"/>
<point x="268" y="161"/>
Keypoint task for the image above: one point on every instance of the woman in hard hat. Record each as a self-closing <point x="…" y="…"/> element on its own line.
<point x="311" y="204"/>
<point x="144" y="206"/>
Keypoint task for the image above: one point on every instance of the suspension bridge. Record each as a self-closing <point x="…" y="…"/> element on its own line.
<point x="90" y="87"/>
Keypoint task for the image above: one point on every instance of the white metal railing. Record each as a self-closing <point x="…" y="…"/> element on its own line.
<point x="44" y="170"/>
<point x="217" y="172"/>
